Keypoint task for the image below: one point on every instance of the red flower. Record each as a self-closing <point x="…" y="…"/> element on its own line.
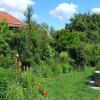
<point x="45" y="92"/>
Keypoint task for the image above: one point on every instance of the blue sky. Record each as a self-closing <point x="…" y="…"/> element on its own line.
<point x="43" y="7"/>
<point x="54" y="12"/>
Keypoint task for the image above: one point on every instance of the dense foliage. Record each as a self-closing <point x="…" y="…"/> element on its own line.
<point x="48" y="53"/>
<point x="81" y="33"/>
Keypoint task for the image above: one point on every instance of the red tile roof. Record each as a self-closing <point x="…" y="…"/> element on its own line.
<point x="12" y="21"/>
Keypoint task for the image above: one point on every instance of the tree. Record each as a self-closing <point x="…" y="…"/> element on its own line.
<point x="87" y="23"/>
<point x="28" y="15"/>
<point x="77" y="23"/>
<point x="63" y="40"/>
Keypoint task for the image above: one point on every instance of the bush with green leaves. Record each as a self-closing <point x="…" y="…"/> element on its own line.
<point x="63" y="40"/>
<point x="92" y="54"/>
<point x="56" y="68"/>
<point x="7" y="61"/>
<point x="98" y="66"/>
<point x="26" y="78"/>
<point x="78" y="56"/>
<point x="26" y="81"/>
<point x="45" y="70"/>
<point x="15" y="92"/>
<point x="66" y="67"/>
<point x="64" y="56"/>
<point x="7" y="77"/>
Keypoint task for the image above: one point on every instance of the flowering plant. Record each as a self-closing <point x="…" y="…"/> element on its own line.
<point x="41" y="89"/>
<point x="38" y="85"/>
<point x="45" y="92"/>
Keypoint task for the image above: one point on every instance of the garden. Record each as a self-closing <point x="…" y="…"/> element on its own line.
<point x="38" y="62"/>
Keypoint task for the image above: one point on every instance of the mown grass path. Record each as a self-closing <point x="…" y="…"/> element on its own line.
<point x="70" y="86"/>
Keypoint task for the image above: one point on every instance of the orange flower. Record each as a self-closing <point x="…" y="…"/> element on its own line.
<point x="45" y="92"/>
<point x="39" y="85"/>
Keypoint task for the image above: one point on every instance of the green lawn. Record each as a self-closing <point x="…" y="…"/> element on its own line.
<point x="69" y="86"/>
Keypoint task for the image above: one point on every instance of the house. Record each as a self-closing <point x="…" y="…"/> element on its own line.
<point x="11" y="20"/>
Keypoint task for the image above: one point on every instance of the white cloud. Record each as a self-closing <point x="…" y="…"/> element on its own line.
<point x="64" y="11"/>
<point x="15" y="7"/>
<point x="95" y="10"/>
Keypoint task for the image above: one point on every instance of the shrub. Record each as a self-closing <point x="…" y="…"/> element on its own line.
<point x="27" y="79"/>
<point x="64" y="56"/>
<point x="78" y="55"/>
<point x="56" y="68"/>
<point x="45" y="70"/>
<point x="6" y="61"/>
<point x="7" y="77"/>
<point x="98" y="66"/>
<point x="27" y="83"/>
<point x="92" y="54"/>
<point x="15" y="92"/>
<point x="66" y="67"/>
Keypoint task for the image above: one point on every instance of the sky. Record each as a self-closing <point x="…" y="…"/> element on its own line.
<point x="55" y="13"/>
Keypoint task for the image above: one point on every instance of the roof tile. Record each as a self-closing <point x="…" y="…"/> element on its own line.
<point x="10" y="19"/>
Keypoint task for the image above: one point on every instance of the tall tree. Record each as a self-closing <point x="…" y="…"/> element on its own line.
<point x="28" y="16"/>
<point x="87" y="23"/>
